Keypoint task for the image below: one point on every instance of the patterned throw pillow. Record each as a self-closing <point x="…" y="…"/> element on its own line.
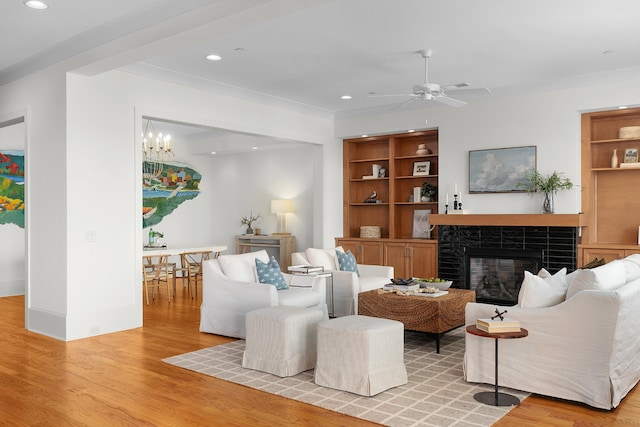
<point x="347" y="261"/>
<point x="270" y="274"/>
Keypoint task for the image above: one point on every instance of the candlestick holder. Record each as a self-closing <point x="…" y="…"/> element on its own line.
<point x="446" y="211"/>
<point x="455" y="202"/>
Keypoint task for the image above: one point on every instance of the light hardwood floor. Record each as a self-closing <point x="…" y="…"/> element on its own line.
<point x="119" y="379"/>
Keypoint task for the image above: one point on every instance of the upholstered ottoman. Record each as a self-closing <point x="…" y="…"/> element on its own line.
<point x="281" y="340"/>
<point x="360" y="354"/>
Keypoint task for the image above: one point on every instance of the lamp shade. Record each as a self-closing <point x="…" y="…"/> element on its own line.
<point x="281" y="206"/>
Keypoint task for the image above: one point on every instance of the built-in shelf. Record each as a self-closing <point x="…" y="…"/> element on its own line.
<point x="540" y="220"/>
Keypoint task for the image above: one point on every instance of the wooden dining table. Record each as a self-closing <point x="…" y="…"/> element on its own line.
<point x="152" y="256"/>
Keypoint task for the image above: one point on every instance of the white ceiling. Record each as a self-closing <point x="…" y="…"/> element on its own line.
<point x="305" y="54"/>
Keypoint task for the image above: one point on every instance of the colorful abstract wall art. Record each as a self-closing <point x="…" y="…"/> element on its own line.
<point x="166" y="188"/>
<point x="12" y="187"/>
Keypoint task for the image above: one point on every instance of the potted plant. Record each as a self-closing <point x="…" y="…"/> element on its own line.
<point x="550" y="184"/>
<point x="248" y="221"/>
<point x="428" y="192"/>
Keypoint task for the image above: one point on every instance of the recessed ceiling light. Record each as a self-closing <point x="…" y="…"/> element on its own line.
<point x="411" y="130"/>
<point x="254" y="148"/>
<point x="346" y="97"/>
<point x="364" y="135"/>
<point x="214" y="57"/>
<point x="34" y="4"/>
<point x="213" y="152"/>
<point x="622" y="107"/>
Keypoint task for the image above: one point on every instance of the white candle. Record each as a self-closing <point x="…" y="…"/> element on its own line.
<point x="455" y="188"/>
<point x="460" y="198"/>
<point x="447" y="199"/>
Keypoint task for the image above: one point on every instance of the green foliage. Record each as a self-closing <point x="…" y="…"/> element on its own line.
<point x="535" y="182"/>
<point x="428" y="190"/>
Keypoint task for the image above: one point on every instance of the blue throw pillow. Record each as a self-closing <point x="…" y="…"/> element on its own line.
<point x="347" y="261"/>
<point x="271" y="274"/>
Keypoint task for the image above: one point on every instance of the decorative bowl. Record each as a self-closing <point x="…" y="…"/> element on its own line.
<point x="443" y="286"/>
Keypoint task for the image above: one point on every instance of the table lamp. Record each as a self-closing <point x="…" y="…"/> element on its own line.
<point x="281" y="208"/>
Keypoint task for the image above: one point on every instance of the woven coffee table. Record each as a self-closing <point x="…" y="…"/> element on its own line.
<point x="434" y="315"/>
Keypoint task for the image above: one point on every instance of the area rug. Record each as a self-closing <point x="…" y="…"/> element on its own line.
<point x="436" y="394"/>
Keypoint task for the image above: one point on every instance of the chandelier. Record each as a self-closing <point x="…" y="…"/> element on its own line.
<point x="156" y="149"/>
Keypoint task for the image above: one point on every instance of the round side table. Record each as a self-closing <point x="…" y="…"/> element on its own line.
<point x="494" y="398"/>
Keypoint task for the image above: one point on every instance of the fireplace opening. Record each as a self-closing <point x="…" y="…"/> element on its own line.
<point x="496" y="274"/>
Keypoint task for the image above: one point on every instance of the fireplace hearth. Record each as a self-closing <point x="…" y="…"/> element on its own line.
<point x="556" y="246"/>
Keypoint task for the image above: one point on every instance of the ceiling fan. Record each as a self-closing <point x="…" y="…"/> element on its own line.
<point x="433" y="91"/>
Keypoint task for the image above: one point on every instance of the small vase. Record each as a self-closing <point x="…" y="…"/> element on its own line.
<point x="249" y="230"/>
<point x="614" y="159"/>
<point x="547" y="205"/>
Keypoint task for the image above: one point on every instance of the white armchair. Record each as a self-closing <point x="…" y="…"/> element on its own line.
<point x="230" y="289"/>
<point x="346" y="284"/>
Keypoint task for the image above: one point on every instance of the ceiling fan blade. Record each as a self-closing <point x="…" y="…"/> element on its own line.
<point x="450" y="101"/>
<point x="469" y="91"/>
<point x="403" y="103"/>
<point x="393" y="94"/>
<point x="456" y="86"/>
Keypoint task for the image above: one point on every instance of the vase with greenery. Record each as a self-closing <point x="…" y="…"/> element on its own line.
<point x="550" y="184"/>
<point x="428" y="191"/>
<point x="248" y="220"/>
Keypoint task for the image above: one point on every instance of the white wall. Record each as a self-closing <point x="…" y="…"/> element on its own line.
<point x="248" y="182"/>
<point x="549" y="120"/>
<point x="13" y="238"/>
<point x="41" y="99"/>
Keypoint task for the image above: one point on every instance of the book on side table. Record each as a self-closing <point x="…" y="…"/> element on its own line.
<point x="492" y="326"/>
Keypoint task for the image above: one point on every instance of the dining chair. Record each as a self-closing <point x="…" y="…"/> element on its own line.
<point x="156" y="273"/>
<point x="192" y="267"/>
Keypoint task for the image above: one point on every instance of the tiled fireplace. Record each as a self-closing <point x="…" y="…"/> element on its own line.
<point x="492" y="259"/>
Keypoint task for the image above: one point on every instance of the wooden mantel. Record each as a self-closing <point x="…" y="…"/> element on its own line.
<point x="534" y="220"/>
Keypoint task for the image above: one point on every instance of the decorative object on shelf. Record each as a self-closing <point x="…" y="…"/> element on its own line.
<point x="416" y="194"/>
<point x="421" y="168"/>
<point x="153" y="237"/>
<point x="627" y="132"/>
<point x="631" y="155"/>
<point x="422" y="150"/>
<point x="376" y="171"/>
<point x="370" y="232"/>
<point x="382" y="173"/>
<point x="500" y="170"/>
<point x="421" y="227"/>
<point x="549" y="185"/>
<point x="372" y="197"/>
<point x="614" y="159"/>
<point x="248" y="221"/>
<point x="281" y="208"/>
<point x="428" y="192"/>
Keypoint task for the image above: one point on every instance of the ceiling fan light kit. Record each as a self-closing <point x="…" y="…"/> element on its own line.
<point x="428" y="91"/>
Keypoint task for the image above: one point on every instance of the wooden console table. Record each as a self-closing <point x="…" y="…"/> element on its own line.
<point x="279" y="246"/>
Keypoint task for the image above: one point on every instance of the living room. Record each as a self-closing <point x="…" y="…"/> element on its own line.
<point x="77" y="126"/>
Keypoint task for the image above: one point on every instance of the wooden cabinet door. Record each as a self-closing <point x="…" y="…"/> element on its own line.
<point x="370" y="253"/>
<point x="395" y="255"/>
<point x="589" y="254"/>
<point x="366" y="252"/>
<point x="422" y="260"/>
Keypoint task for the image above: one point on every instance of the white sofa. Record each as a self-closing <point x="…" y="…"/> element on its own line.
<point x="584" y="348"/>
<point x="346" y="284"/>
<point x="230" y="289"/>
